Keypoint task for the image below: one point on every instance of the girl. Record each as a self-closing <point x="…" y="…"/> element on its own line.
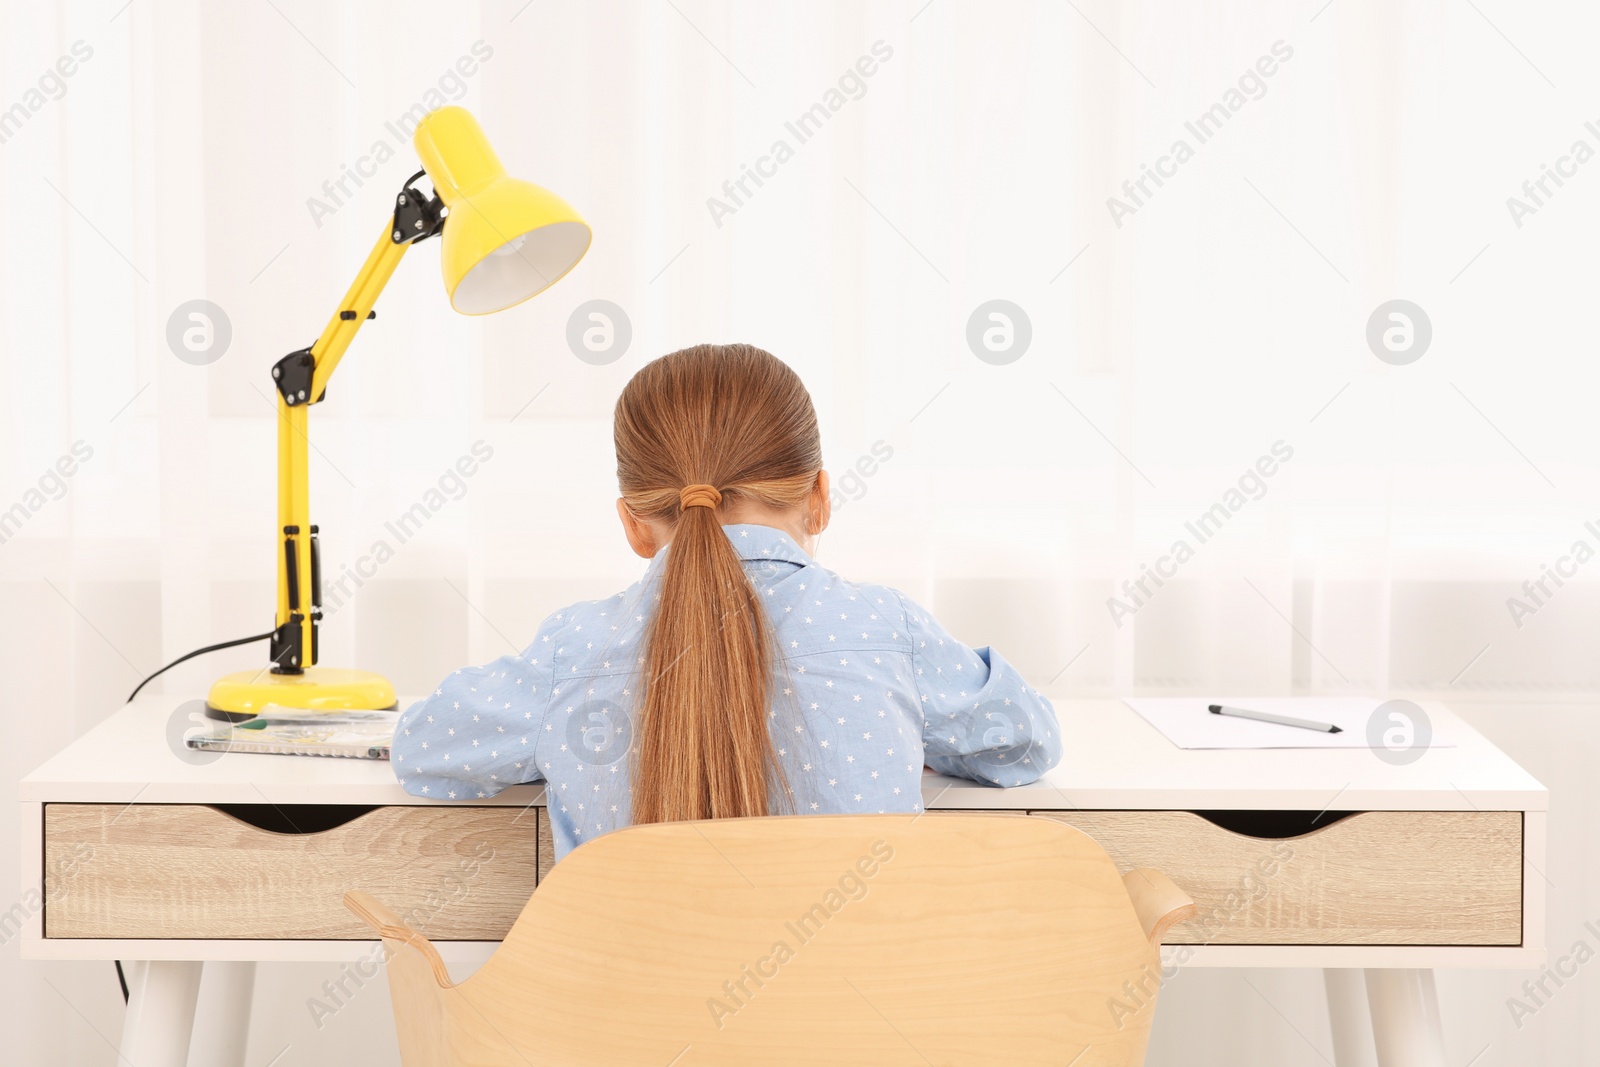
<point x="737" y="677"/>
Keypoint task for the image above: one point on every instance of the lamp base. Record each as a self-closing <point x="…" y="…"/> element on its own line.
<point x="245" y="694"/>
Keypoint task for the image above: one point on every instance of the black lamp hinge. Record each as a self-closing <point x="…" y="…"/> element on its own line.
<point x="417" y="216"/>
<point x="288" y="654"/>
<point x="292" y="376"/>
<point x="287" y="647"/>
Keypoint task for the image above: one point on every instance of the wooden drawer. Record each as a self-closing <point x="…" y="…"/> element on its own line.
<point x="1371" y="878"/>
<point x="191" y="871"/>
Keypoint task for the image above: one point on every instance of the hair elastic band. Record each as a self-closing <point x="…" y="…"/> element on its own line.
<point x="699" y="496"/>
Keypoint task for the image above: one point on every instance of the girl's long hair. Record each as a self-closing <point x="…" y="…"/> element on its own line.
<point x="736" y="418"/>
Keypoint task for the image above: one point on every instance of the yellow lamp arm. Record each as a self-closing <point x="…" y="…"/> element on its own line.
<point x="301" y="379"/>
<point x="416" y="217"/>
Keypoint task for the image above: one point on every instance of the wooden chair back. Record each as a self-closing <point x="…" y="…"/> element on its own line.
<point x="882" y="939"/>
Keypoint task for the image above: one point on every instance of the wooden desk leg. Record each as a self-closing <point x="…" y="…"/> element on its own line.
<point x="160" y="1018"/>
<point x="222" y="1020"/>
<point x="1405" y="1018"/>
<point x="1348" y="1017"/>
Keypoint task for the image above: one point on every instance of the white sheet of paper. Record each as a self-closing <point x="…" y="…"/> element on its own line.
<point x="1186" y="722"/>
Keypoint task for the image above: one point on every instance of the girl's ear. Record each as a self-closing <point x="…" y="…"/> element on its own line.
<point x="819" y="506"/>
<point x="640" y="537"/>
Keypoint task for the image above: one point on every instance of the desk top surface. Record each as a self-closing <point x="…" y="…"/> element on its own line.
<point x="1113" y="759"/>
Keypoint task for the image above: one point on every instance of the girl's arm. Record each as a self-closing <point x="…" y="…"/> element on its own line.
<point x="981" y="720"/>
<point x="477" y="733"/>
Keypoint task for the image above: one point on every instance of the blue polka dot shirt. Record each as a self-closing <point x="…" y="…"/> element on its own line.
<point x="869" y="689"/>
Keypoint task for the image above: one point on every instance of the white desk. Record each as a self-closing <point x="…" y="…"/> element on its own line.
<point x="117" y="810"/>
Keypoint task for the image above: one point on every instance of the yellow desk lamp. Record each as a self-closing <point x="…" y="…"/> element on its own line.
<point x="503" y="241"/>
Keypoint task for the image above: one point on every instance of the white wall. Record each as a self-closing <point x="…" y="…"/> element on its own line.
<point x="1228" y="312"/>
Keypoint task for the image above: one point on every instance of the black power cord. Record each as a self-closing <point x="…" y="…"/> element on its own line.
<point x="199" y="652"/>
<point x="122" y="981"/>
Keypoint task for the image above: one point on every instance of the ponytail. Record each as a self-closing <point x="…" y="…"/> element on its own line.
<point x="695" y="430"/>
<point x="704" y="751"/>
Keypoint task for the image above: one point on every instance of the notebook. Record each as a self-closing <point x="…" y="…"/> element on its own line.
<point x="296" y="732"/>
<point x="1187" y="724"/>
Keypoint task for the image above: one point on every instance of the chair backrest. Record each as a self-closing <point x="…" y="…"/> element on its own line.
<point x="893" y="939"/>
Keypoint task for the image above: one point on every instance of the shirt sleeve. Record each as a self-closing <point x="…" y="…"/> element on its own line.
<point x="980" y="719"/>
<point x="477" y="733"/>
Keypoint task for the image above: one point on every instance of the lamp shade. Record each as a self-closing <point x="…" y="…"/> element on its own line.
<point x="504" y="240"/>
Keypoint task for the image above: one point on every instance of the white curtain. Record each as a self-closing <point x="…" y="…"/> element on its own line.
<point x="937" y="155"/>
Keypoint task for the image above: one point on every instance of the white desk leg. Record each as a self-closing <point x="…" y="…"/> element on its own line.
<point x="1405" y="1018"/>
<point x="1348" y="1018"/>
<point x="161" y="998"/>
<point x="133" y="975"/>
<point x="222" y="1020"/>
